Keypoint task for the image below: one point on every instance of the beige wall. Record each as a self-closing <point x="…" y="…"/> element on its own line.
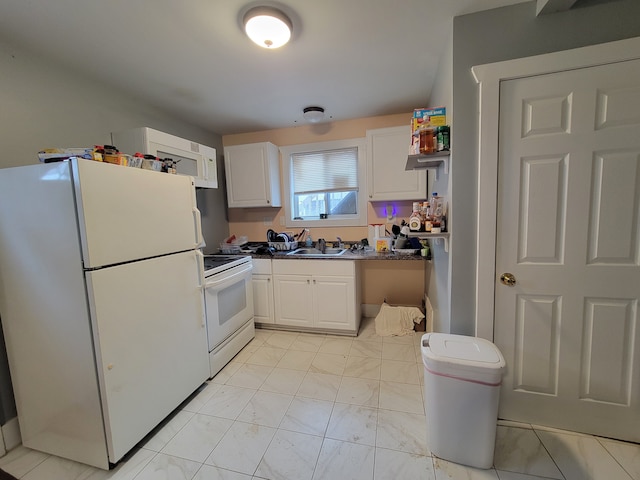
<point x="399" y="282"/>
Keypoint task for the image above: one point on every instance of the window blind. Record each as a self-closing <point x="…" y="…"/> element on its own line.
<point x="325" y="171"/>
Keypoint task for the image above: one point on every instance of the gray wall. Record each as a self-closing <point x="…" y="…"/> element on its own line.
<point x="44" y="105"/>
<point x="492" y="36"/>
<point x="438" y="280"/>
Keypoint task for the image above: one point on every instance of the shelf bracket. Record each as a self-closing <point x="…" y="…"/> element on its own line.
<point x="431" y="161"/>
<point x="437" y="241"/>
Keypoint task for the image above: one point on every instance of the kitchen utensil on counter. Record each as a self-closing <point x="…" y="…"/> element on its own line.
<point x="415" y="243"/>
<point x="271" y="235"/>
<point x="395" y="229"/>
<point x="401" y="242"/>
<point x="265" y="250"/>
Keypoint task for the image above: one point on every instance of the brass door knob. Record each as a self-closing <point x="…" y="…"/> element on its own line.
<point x="508" y="279"/>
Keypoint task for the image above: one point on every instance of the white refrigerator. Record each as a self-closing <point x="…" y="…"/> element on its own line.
<point x="101" y="303"/>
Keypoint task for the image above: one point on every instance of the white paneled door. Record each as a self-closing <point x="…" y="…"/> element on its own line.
<point x="568" y="232"/>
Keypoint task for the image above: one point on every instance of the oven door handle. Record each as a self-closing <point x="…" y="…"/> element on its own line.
<point x="226" y="279"/>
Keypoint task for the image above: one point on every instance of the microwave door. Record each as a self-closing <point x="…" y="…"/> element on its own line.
<point x="184" y="165"/>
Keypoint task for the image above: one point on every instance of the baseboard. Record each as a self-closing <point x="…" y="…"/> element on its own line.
<point x="11" y="434"/>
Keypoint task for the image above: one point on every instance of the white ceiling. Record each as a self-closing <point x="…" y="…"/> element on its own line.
<point x="355" y="58"/>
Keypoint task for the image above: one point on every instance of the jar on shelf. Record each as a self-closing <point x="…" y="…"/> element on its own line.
<point x="427" y="141"/>
<point x="442" y="142"/>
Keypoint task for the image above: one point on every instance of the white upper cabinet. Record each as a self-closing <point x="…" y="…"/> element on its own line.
<point x="253" y="175"/>
<point x="387" y="150"/>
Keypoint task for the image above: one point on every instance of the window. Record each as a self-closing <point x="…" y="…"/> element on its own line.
<point x="323" y="184"/>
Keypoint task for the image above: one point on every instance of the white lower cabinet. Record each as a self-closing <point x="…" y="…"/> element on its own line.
<point x="320" y="295"/>
<point x="334" y="302"/>
<point x="294" y="300"/>
<point x="262" y="281"/>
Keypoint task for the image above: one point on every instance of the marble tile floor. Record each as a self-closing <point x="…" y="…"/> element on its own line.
<point x="320" y="407"/>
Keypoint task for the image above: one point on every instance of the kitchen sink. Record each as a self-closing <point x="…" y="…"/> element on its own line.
<point x="314" y="252"/>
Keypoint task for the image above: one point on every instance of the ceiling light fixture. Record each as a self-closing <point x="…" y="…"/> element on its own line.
<point x="313" y="114"/>
<point x="267" y="27"/>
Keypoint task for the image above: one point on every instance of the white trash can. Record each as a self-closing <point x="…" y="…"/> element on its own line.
<point x="462" y="377"/>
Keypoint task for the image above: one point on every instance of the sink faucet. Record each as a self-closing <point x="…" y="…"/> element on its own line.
<point x="340" y="244"/>
<point x="322" y="245"/>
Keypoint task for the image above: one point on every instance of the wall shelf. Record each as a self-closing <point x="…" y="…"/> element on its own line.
<point x="429" y="160"/>
<point x="435" y="236"/>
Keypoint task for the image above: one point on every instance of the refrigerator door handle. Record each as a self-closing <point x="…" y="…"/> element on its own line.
<point x="201" y="279"/>
<point x="201" y="285"/>
<point x="198" y="228"/>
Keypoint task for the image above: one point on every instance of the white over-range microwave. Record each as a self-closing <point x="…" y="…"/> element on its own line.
<point x="194" y="159"/>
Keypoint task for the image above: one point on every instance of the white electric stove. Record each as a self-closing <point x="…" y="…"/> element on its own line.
<point x="228" y="298"/>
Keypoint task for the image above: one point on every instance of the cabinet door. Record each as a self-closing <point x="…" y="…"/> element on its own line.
<point x="293" y="300"/>
<point x="253" y="175"/>
<point x="263" y="299"/>
<point x="387" y="150"/>
<point x="334" y="302"/>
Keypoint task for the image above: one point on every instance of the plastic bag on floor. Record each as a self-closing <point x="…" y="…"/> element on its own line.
<point x="397" y="320"/>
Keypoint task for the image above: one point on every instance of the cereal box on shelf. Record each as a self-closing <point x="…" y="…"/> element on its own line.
<point x="428" y="117"/>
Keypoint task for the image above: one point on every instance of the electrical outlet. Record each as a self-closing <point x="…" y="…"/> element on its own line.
<point x="266" y="221"/>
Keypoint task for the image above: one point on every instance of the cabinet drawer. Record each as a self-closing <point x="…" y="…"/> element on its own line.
<point x="314" y="267"/>
<point x="261" y="266"/>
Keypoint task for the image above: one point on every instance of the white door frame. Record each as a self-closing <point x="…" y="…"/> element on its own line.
<point x="489" y="77"/>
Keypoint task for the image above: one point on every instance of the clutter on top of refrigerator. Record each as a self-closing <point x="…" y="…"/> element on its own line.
<point x="110" y="154"/>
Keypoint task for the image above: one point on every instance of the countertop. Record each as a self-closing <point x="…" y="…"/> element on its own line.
<point x="251" y="247"/>
<point x="357" y="255"/>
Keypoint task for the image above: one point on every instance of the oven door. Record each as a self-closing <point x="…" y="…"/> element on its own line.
<point x="228" y="302"/>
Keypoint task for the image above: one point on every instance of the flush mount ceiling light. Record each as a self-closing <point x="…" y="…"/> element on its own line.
<point x="313" y="114"/>
<point x="267" y="27"/>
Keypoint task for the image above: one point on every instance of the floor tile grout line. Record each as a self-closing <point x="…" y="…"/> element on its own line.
<point x="549" y="453"/>
<point x="615" y="459"/>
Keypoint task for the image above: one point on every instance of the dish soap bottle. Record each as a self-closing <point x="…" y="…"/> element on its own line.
<point x="309" y="241"/>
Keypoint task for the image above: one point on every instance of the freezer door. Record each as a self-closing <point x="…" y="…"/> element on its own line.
<point x="151" y="343"/>
<point x="128" y="214"/>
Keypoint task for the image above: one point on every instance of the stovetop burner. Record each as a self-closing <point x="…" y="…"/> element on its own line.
<point x="217" y="263"/>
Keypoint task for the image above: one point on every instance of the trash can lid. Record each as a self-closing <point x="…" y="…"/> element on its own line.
<point x="464" y="357"/>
